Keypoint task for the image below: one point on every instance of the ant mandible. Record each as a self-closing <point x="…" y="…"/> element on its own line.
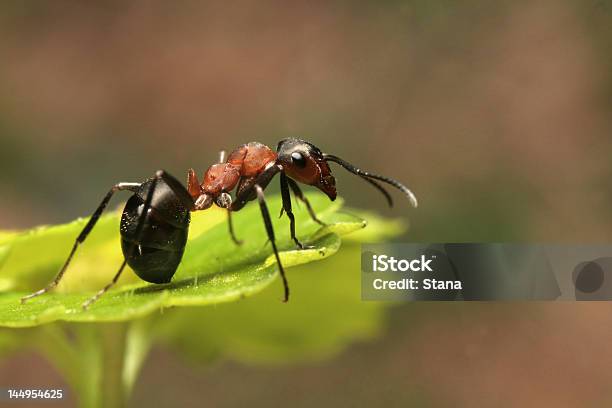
<point x="155" y="221"/>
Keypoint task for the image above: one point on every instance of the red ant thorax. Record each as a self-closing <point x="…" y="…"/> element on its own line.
<point x="220" y="177"/>
<point x="247" y="161"/>
<point x="251" y="158"/>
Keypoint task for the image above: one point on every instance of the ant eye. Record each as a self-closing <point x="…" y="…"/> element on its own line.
<point x="298" y="159"/>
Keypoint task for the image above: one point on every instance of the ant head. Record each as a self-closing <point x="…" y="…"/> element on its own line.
<point x="304" y="162"/>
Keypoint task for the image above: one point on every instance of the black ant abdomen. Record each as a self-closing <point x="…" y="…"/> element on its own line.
<point x="157" y="254"/>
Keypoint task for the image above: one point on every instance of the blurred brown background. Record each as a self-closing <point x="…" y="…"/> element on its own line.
<point x="497" y="115"/>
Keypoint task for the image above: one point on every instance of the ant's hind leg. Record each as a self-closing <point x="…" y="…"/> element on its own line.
<point x="287" y="208"/>
<point x="91" y="300"/>
<point x="137" y="236"/>
<point x="83" y="235"/>
<point x="298" y="193"/>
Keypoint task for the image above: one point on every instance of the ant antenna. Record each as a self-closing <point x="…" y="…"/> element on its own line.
<point x="369" y="176"/>
<point x="379" y="188"/>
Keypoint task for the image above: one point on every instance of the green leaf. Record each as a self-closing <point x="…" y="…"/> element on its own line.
<point x="324" y="316"/>
<point x="325" y="313"/>
<point x="213" y="270"/>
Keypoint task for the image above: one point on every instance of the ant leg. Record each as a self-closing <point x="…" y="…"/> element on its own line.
<point x="137" y="239"/>
<point x="231" y="228"/>
<point x="83" y="235"/>
<point x="246" y="189"/>
<point x="91" y="300"/>
<point x="298" y="193"/>
<point x="225" y="201"/>
<point x="287" y="207"/>
<point x="270" y="230"/>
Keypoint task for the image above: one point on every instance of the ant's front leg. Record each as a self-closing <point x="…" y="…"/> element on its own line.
<point x="287" y="208"/>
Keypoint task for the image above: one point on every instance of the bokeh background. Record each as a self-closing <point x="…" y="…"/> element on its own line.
<point x="497" y="115"/>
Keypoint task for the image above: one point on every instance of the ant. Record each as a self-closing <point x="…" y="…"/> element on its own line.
<point x="155" y="220"/>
